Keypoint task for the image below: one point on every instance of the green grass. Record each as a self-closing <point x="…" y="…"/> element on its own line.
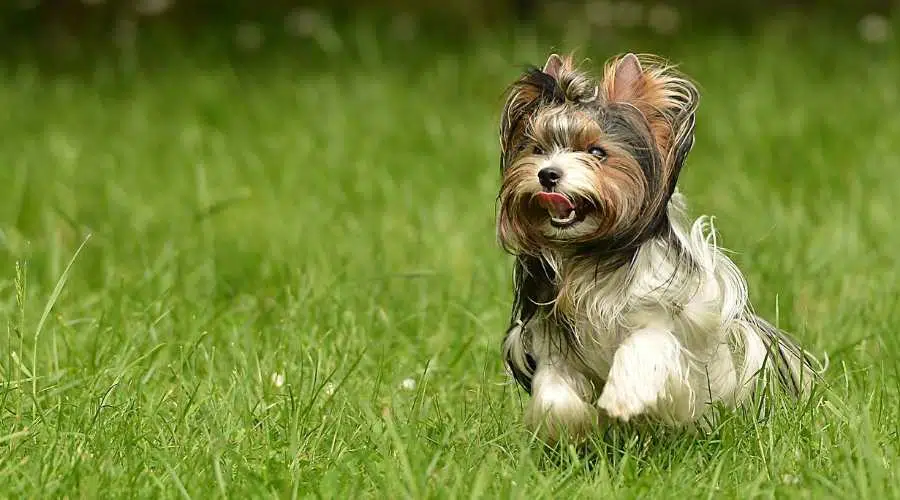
<point x="328" y="219"/>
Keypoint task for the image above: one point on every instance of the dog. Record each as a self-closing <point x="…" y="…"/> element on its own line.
<point x="623" y="308"/>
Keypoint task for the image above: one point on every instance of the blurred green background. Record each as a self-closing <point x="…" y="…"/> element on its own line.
<point x="71" y="26"/>
<point x="289" y="284"/>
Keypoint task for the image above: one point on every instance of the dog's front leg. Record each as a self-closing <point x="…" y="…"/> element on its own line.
<point x="561" y="395"/>
<point x="648" y="370"/>
<point x="560" y="404"/>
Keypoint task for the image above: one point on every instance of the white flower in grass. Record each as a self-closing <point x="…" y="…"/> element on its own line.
<point x="874" y="28"/>
<point x="329" y="389"/>
<point x="277" y="379"/>
<point x="408" y="384"/>
<point x="790" y="479"/>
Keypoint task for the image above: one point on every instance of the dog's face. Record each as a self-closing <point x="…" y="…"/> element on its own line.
<point x="587" y="161"/>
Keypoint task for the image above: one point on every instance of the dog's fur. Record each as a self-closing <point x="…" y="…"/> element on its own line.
<point x="622" y="307"/>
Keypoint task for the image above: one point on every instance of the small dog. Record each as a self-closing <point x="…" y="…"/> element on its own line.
<point x="622" y="308"/>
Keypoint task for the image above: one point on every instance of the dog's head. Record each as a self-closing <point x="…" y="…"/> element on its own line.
<point x="588" y="162"/>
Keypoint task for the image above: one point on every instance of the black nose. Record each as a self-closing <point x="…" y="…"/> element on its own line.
<point x="549" y="176"/>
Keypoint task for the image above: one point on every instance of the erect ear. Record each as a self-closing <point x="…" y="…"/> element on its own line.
<point x="553" y="65"/>
<point x="529" y="92"/>
<point x="628" y="79"/>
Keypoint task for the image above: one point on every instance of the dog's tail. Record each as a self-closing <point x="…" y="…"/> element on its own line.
<point x="774" y="359"/>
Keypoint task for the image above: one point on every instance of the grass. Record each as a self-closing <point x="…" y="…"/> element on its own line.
<point x="288" y="283"/>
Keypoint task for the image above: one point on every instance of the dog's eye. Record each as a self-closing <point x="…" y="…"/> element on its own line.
<point x="537" y="150"/>
<point x="597" y="151"/>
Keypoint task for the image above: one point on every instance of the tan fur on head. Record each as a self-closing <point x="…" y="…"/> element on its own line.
<point x="664" y="96"/>
<point x="640" y="116"/>
<point x="525" y="96"/>
<point x="576" y="85"/>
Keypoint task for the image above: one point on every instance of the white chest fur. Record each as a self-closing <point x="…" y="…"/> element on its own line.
<point x="656" y="336"/>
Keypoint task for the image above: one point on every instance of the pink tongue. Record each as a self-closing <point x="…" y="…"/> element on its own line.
<point x="557" y="204"/>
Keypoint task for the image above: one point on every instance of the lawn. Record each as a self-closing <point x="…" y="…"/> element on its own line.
<point x="275" y="274"/>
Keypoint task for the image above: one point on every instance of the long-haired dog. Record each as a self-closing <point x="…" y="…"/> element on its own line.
<point x="622" y="307"/>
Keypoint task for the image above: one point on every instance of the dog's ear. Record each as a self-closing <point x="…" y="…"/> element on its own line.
<point x="667" y="99"/>
<point x="553" y="65"/>
<point x="627" y="79"/>
<point x="533" y="88"/>
<point x="556" y="83"/>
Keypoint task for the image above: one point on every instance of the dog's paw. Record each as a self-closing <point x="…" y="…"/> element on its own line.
<point x="625" y="403"/>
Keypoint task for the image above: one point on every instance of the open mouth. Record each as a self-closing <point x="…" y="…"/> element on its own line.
<point x="560" y="207"/>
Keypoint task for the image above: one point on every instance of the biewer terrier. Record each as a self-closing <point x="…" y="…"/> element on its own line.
<point x="622" y="307"/>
